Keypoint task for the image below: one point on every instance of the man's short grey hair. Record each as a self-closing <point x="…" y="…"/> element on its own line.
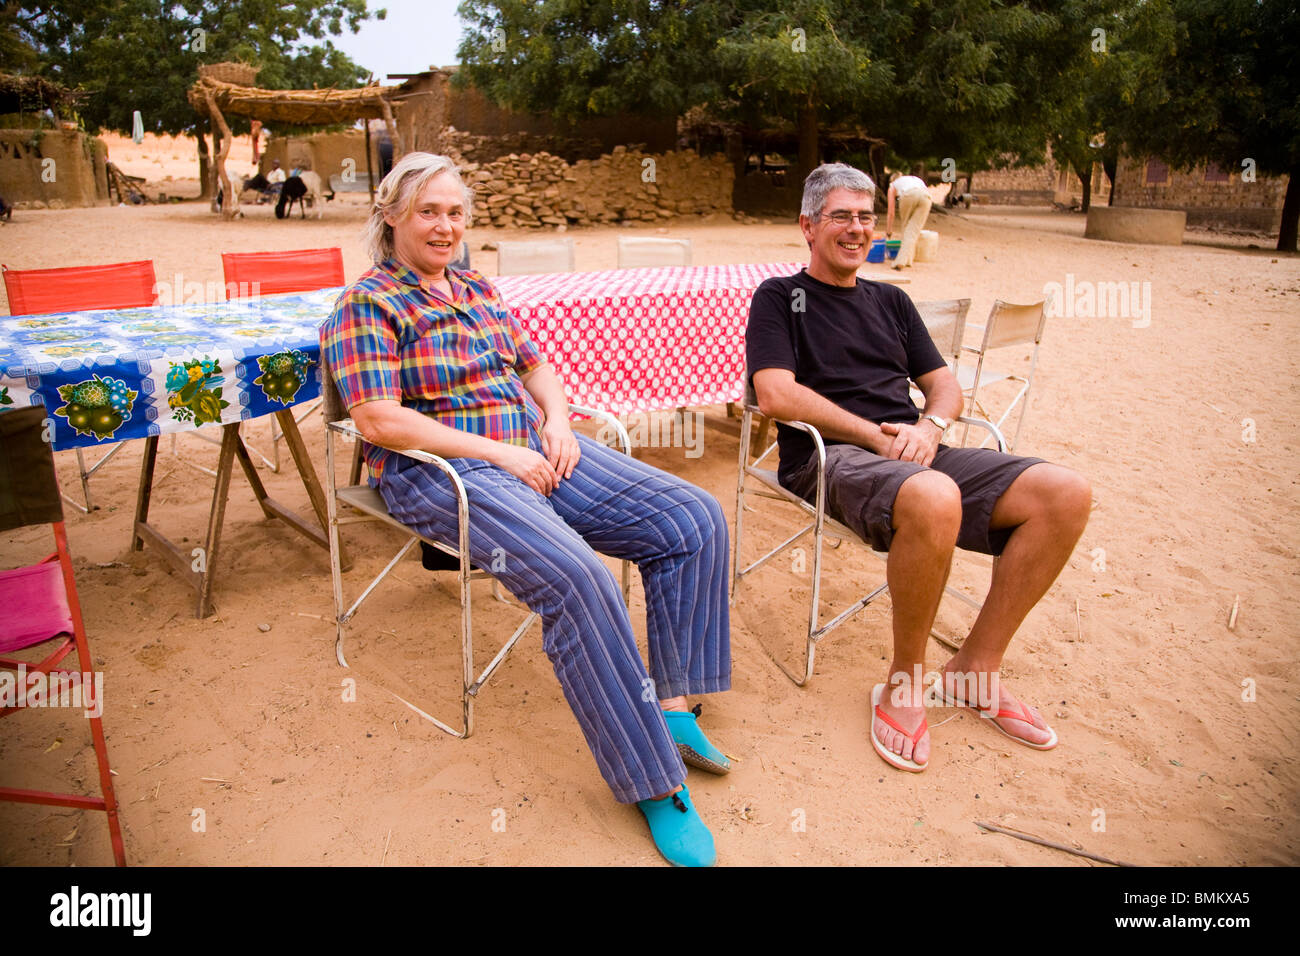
<point x="397" y="195"/>
<point x="828" y="177"/>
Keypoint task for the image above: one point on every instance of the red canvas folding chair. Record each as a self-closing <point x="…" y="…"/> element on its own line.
<point x="268" y="273"/>
<point x="250" y="274"/>
<point x="39" y="603"/>
<point x="118" y="285"/>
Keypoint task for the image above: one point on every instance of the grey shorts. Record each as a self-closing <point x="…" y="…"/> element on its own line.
<point x="861" y="487"/>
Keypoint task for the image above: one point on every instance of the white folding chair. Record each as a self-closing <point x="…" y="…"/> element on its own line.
<point x="945" y="320"/>
<point x="635" y="252"/>
<point x="546" y="255"/>
<point x="1008" y="325"/>
<point x="819" y="523"/>
<point x="364" y="504"/>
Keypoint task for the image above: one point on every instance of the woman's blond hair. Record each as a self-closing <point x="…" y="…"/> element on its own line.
<point x="397" y="194"/>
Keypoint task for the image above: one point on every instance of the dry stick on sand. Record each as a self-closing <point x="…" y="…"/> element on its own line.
<point x="1232" y="617"/>
<point x="1029" y="837"/>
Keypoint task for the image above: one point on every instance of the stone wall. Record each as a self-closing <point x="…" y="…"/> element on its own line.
<point x="480" y="148"/>
<point x="52" y="168"/>
<point x="541" y="190"/>
<point x="1038" y="185"/>
<point x="1234" y="204"/>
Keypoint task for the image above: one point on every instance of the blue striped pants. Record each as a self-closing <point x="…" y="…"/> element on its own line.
<point x="676" y="534"/>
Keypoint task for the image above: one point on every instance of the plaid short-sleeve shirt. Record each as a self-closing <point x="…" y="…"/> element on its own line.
<point x="459" y="362"/>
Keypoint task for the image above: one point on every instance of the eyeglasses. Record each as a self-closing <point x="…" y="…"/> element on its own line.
<point x="843" y="218"/>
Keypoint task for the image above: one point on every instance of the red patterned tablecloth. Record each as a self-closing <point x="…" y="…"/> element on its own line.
<point x="628" y="340"/>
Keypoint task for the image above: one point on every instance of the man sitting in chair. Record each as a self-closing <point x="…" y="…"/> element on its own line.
<point x="835" y="351"/>
<point x="427" y="356"/>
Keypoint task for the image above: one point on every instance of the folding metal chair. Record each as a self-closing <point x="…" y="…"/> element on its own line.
<point x="117" y="285"/>
<point x="249" y="274"/>
<point x="548" y="255"/>
<point x="270" y="273"/>
<point x="819" y="523"/>
<point x="39" y="603"/>
<point x="1008" y="324"/>
<point x="640" y="251"/>
<point x="366" y="504"/>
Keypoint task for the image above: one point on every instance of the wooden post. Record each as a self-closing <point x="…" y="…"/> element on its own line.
<point x="399" y="144"/>
<point x="231" y="207"/>
<point x="370" y="170"/>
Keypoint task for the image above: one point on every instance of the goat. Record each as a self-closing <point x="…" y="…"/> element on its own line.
<point x="6" y="210"/>
<point x="298" y="189"/>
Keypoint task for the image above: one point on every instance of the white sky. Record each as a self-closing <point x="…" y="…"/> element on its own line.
<point x="416" y="34"/>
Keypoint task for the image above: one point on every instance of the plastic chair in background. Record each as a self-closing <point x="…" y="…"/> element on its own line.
<point x="636" y="252"/>
<point x="547" y="255"/>
<point x="39" y="603"/>
<point x="117" y="285"/>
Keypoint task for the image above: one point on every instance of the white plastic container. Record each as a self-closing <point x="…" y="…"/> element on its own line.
<point x="927" y="247"/>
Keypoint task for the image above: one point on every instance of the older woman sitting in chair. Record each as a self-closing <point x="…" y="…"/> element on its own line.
<point x="427" y="356"/>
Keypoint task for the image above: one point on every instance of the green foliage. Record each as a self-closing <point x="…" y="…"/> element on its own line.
<point x="970" y="79"/>
<point x="144" y="54"/>
<point x="577" y="58"/>
<point x="1211" y="80"/>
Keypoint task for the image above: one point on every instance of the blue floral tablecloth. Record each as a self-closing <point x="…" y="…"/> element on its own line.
<point x="113" y="374"/>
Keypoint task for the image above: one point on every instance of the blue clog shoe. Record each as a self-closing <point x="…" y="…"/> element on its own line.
<point x="678" y="831"/>
<point x="691" y="743"/>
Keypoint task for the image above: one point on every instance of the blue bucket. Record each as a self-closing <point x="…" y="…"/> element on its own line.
<point x="877" y="251"/>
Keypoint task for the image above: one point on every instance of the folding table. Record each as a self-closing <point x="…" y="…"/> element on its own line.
<point x="114" y="374"/>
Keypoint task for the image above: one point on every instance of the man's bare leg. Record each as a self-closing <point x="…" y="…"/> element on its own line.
<point x="927" y="517"/>
<point x="1048" y="506"/>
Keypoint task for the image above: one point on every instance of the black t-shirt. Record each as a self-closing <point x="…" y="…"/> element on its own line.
<point x="855" y="346"/>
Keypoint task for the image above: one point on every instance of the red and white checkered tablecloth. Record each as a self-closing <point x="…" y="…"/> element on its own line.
<point x="628" y="340"/>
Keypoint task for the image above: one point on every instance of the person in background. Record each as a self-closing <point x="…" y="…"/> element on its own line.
<point x="912" y="198"/>
<point x="275" y="178"/>
<point x="428" y="356"/>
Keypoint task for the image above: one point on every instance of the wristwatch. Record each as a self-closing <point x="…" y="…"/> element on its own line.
<point x="943" y="423"/>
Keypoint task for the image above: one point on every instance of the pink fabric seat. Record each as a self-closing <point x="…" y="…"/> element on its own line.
<point x="33" y="605"/>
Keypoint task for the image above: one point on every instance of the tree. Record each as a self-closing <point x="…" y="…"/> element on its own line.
<point x="144" y="54"/>
<point x="129" y="55"/>
<point x="1216" y="81"/>
<point x="969" y="79"/>
<point x="592" y="57"/>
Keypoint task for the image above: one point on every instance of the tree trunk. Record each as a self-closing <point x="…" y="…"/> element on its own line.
<point x="230" y="207"/>
<point x="808" y="146"/>
<point x="1085" y="180"/>
<point x="1286" y="234"/>
<point x="1110" y="164"/>
<point x="205" y="162"/>
<point x="877" y="156"/>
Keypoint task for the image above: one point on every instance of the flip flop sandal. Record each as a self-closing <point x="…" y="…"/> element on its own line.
<point x="1022" y="715"/>
<point x="897" y="761"/>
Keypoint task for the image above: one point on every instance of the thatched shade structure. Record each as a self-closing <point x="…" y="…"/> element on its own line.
<point x="295" y="107"/>
<point x="30" y="94"/>
<point x="213" y="97"/>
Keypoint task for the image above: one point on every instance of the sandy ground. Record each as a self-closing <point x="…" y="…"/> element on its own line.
<point x="234" y="745"/>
